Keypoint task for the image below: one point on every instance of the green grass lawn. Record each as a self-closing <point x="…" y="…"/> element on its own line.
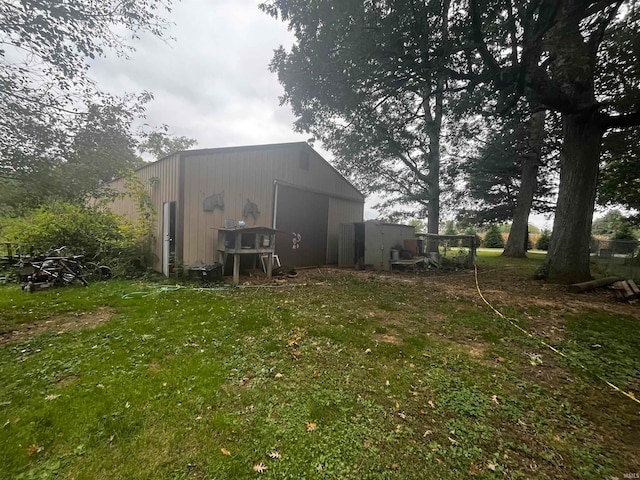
<point x="344" y="375"/>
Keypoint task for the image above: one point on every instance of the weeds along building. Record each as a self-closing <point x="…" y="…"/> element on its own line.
<point x="288" y="187"/>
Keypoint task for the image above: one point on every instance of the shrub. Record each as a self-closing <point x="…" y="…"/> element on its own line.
<point x="543" y="241"/>
<point x="99" y="235"/>
<point x="493" y="238"/>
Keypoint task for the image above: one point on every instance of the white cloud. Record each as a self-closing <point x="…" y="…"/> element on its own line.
<point x="212" y="82"/>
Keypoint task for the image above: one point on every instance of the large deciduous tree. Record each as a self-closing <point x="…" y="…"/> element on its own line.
<point x="363" y="78"/>
<point x="103" y="146"/>
<point x="45" y="47"/>
<point x="548" y="51"/>
<point x="530" y="161"/>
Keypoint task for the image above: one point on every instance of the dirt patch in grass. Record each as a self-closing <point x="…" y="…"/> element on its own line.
<point x="387" y="338"/>
<point x="59" y="323"/>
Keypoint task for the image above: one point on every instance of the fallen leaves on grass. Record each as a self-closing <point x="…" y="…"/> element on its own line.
<point x="494" y="399"/>
<point x="311" y="426"/>
<point x="33" y="449"/>
<point x="275" y="455"/>
<point x="534" y="358"/>
<point x="53" y="396"/>
<point x="225" y="451"/>
<point x="260" y="467"/>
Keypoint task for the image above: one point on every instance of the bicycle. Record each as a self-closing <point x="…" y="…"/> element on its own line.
<point x="60" y="270"/>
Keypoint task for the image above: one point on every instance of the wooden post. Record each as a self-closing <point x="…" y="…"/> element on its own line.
<point x="269" y="265"/>
<point x="236" y="269"/>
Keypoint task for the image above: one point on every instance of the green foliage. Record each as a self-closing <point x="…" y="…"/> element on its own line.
<point x="45" y="55"/>
<point x="615" y="225"/>
<point x="450" y="228"/>
<point x="624" y="232"/>
<point x="493" y="238"/>
<point x="366" y="87"/>
<point x="470" y="230"/>
<point x="502" y="165"/>
<point x="98" y="234"/>
<point x="160" y="145"/>
<point x="419" y="224"/>
<point x="85" y="230"/>
<point x="544" y="240"/>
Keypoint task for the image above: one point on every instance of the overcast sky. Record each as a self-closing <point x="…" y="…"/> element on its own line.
<point x="212" y="82"/>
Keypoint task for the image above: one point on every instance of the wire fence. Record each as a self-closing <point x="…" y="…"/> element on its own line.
<point x="617" y="257"/>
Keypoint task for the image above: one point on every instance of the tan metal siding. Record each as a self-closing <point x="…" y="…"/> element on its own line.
<point x="340" y="212"/>
<point x="241" y="176"/>
<point x="380" y="238"/>
<point x="320" y="176"/>
<point x="165" y="189"/>
<point x="250" y="174"/>
<point x="346" y="245"/>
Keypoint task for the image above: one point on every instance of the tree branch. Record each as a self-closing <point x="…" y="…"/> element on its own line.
<point x="620" y="121"/>
<point x="595" y="39"/>
<point x="476" y="24"/>
<point x="600" y="5"/>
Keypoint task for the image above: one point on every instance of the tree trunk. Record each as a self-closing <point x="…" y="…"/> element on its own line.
<point x="519" y="235"/>
<point x="433" y="208"/>
<point x="568" y="256"/>
<point x="433" y="176"/>
<point x="434" y="125"/>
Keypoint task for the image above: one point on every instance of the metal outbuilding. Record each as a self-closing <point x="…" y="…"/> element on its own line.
<point x="288" y="187"/>
<point x="372" y="243"/>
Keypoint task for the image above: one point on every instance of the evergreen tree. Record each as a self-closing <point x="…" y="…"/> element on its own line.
<point x="493" y="238"/>
<point x="543" y="240"/>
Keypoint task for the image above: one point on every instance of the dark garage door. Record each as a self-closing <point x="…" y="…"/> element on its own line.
<point x="302" y="218"/>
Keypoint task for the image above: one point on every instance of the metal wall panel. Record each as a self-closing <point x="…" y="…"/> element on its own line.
<point x="340" y="212"/>
<point x="346" y="245"/>
<point x="301" y="221"/>
<point x="380" y="239"/>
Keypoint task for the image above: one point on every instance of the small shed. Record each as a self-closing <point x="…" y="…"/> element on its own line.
<point x="372" y="243"/>
<point x="286" y="187"/>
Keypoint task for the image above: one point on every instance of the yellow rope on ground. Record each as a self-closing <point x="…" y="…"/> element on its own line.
<point x="550" y="347"/>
